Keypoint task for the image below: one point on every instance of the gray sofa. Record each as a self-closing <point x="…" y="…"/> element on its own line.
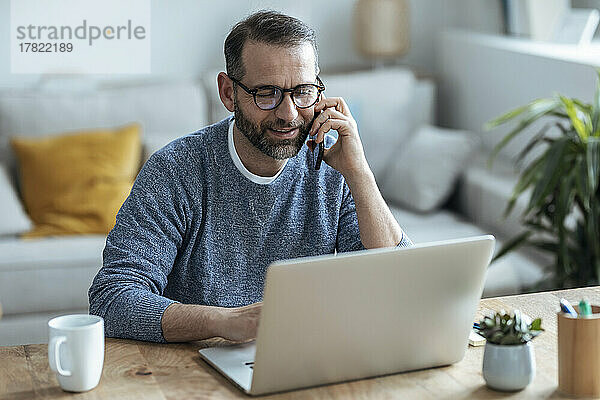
<point x="46" y="277"/>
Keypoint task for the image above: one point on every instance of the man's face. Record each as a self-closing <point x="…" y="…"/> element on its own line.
<point x="279" y="133"/>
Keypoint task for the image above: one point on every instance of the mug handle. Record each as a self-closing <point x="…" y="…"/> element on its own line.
<point x="54" y="355"/>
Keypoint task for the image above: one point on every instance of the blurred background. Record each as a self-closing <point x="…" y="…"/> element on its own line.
<point x="194" y="31"/>
<point x="421" y="77"/>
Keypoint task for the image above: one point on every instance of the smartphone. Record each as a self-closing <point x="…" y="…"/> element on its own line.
<point x="320" y="155"/>
<point x="312" y="144"/>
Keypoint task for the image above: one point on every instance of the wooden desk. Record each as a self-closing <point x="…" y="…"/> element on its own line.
<point x="135" y="370"/>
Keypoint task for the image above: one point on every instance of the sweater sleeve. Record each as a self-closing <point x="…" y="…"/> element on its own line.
<point x="405" y="241"/>
<point x="139" y="254"/>
<point x="348" y="233"/>
<point x="348" y="229"/>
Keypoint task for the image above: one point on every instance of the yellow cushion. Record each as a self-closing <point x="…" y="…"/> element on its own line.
<point x="75" y="183"/>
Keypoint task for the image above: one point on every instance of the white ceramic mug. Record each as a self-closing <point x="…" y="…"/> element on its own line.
<point x="76" y="350"/>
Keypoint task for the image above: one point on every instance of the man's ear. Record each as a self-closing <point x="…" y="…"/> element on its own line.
<point x="225" y="90"/>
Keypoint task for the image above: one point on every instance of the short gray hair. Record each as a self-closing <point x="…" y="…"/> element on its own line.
<point x="266" y="26"/>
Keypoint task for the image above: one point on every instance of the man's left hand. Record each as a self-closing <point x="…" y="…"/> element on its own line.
<point x="346" y="155"/>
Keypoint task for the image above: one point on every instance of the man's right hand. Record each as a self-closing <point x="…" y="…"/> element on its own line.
<point x="186" y="322"/>
<point x="239" y="324"/>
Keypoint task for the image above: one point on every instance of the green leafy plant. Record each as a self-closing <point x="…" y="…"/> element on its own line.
<point x="505" y="329"/>
<point x="563" y="213"/>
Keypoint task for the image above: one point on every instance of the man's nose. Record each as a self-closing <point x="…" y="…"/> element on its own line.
<point x="287" y="109"/>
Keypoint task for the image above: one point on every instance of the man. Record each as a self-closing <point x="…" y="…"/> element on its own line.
<point x="209" y="212"/>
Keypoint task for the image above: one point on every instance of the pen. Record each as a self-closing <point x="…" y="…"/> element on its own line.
<point x="584" y="309"/>
<point x="567" y="308"/>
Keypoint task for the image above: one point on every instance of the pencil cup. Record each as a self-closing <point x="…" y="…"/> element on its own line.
<point x="579" y="354"/>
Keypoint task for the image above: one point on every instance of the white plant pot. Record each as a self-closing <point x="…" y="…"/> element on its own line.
<point x="508" y="367"/>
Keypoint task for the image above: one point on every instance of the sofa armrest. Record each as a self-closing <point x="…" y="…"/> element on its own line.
<point x="483" y="193"/>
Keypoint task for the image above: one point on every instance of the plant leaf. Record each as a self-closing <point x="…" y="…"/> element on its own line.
<point x="517" y="319"/>
<point x="586" y="108"/>
<point x="581" y="182"/>
<point x="537" y="139"/>
<point x="536" y="325"/>
<point x="509" y="115"/>
<point x="496" y="338"/>
<point x="534" y="334"/>
<point x="593" y="163"/>
<point x="551" y="175"/>
<point x="527" y="178"/>
<point x="559" y="114"/>
<point x="513" y="244"/>
<point x="507" y="340"/>
<point x="545" y="245"/>
<point x="536" y="109"/>
<point x="564" y="199"/>
<point x="539" y="226"/>
<point x="596" y="107"/>
<point x="578" y="124"/>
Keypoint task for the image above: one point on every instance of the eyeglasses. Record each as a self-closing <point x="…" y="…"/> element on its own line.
<point x="270" y="97"/>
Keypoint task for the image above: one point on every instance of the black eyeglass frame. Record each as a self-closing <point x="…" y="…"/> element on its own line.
<point x="320" y="89"/>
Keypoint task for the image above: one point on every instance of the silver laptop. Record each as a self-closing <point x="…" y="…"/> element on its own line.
<point x="356" y="315"/>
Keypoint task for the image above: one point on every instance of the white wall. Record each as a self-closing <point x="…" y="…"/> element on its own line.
<point x="484" y="76"/>
<point x="187" y="35"/>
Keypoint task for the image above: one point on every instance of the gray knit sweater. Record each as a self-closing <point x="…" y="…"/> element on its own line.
<point x="195" y="230"/>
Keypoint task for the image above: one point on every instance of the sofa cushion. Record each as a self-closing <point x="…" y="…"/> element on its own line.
<point x="14" y="219"/>
<point x="423" y="173"/>
<point x="484" y="193"/>
<point x="165" y="110"/>
<point x="511" y="274"/>
<point x="75" y="183"/>
<point x="381" y="102"/>
<point x="30" y="328"/>
<point x="423" y="105"/>
<point x="50" y="274"/>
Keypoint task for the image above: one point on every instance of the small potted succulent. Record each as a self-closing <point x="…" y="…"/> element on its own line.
<point x="508" y="359"/>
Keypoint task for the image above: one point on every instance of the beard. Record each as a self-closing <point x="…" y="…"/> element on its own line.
<point x="279" y="149"/>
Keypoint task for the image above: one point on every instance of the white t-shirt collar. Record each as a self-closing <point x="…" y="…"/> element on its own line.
<point x="261" y="180"/>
